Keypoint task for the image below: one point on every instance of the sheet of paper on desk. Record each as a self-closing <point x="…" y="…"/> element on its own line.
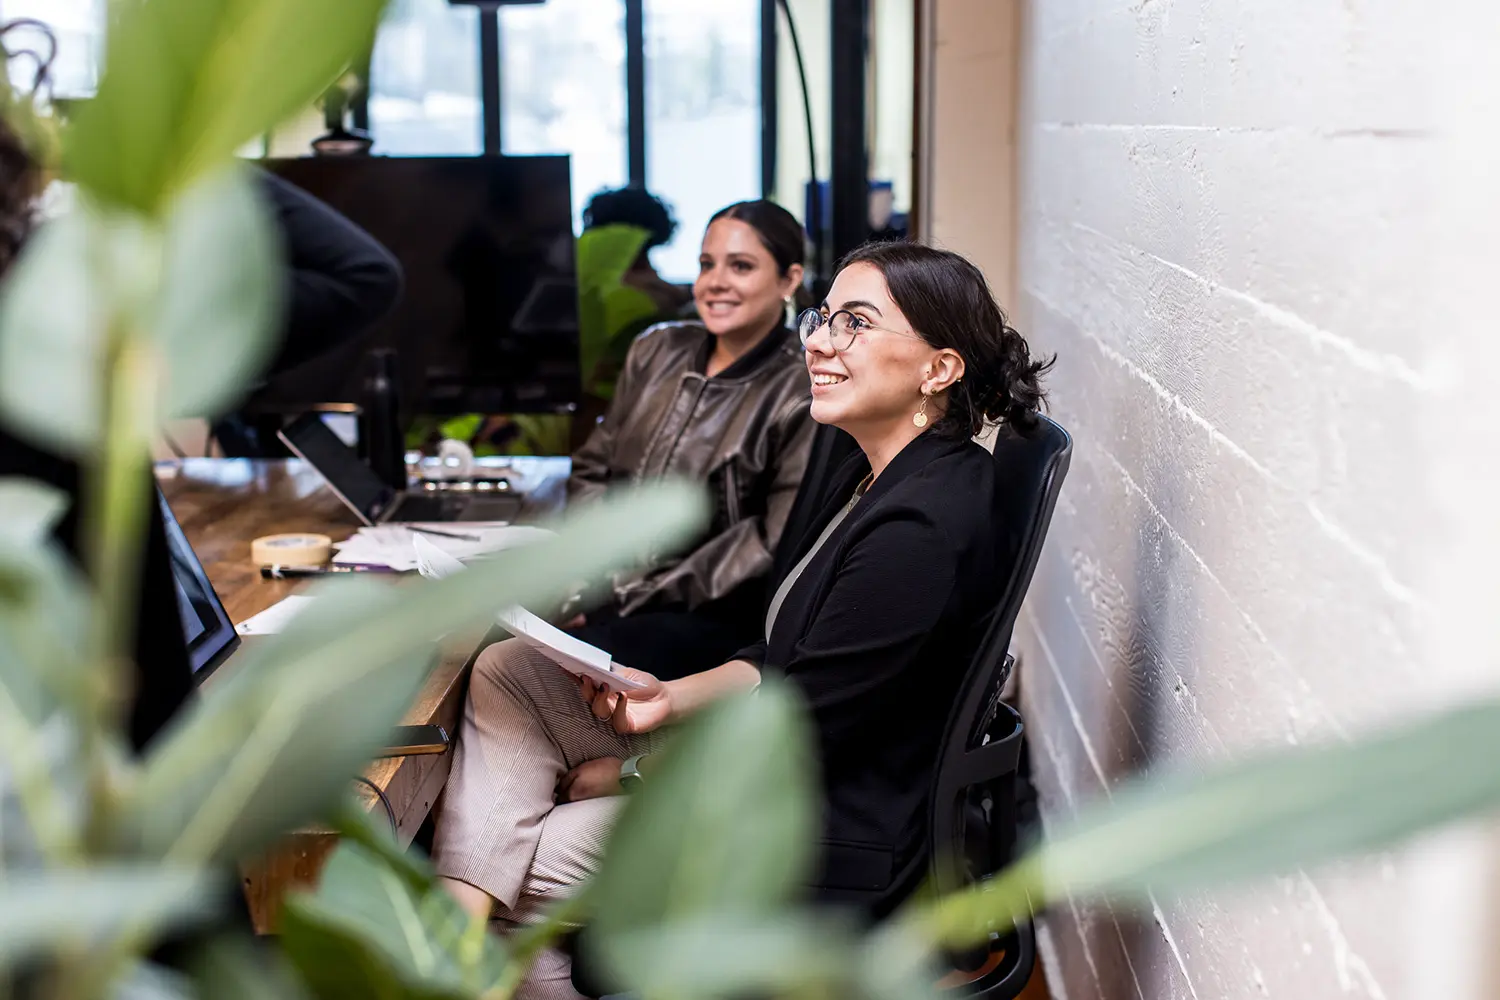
<point x="275" y="618"/>
<point x="393" y="544"/>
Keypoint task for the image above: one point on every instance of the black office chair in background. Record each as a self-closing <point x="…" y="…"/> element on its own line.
<point x="973" y="819"/>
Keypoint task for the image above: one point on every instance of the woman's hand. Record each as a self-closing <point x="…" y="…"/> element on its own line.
<point x="592" y="779"/>
<point x="638" y="711"/>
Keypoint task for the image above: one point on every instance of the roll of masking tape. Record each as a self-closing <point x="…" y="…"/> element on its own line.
<point x="456" y="458"/>
<point x="291" y="550"/>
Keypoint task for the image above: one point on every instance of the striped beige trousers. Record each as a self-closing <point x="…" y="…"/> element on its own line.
<point x="499" y="826"/>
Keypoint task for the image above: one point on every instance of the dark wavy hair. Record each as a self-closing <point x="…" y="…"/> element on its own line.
<point x="632" y="206"/>
<point x="779" y="231"/>
<point x="949" y="303"/>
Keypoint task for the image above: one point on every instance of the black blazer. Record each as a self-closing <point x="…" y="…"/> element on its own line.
<point x="877" y="634"/>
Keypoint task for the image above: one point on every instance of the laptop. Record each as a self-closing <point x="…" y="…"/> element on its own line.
<point x="212" y="638"/>
<point x="372" y="501"/>
<point x="206" y="628"/>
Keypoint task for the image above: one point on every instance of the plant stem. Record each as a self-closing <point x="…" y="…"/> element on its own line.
<point x="115" y="513"/>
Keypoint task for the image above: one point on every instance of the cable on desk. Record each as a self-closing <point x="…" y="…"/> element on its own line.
<point x="390" y="811"/>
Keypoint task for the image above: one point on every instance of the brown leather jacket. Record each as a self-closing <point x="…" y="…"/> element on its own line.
<point x="745" y="432"/>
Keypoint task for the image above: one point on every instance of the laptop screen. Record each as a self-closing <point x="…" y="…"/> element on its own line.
<point x="206" y="627"/>
<point x="354" y="482"/>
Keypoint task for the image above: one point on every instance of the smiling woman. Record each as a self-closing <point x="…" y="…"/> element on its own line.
<point x="723" y="401"/>
<point x="749" y="270"/>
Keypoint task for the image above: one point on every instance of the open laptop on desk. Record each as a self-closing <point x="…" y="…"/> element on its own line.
<point x="372" y="501"/>
<point x="212" y="638"/>
<point x="206" y="627"/>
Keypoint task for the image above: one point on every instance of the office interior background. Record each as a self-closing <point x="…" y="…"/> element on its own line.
<point x="1259" y="237"/>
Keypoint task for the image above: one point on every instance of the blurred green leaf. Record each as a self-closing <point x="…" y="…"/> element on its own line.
<point x="235" y="968"/>
<point x="276" y="741"/>
<point x="52" y="316"/>
<point x="605" y="253"/>
<point x="200" y="293"/>
<point x="1269" y="814"/>
<point x="29" y="509"/>
<point x="609" y="311"/>
<point x="364" y="933"/>
<point x="146" y="981"/>
<point x="234" y="772"/>
<point x="188" y="82"/>
<point x="356" y="824"/>
<point x="44" y="616"/>
<point x="42" y="911"/>
<point x="725" y="825"/>
<point x="220" y="295"/>
<point x="735" y="956"/>
<point x="542" y="433"/>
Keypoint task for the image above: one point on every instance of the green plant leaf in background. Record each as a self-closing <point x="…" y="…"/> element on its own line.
<point x="203" y="312"/>
<point x="357" y="825"/>
<point x="232" y="772"/>
<point x="234" y="968"/>
<point x="147" y="981"/>
<point x="608" y="309"/>
<point x="29" y="509"/>
<point x="39" y="909"/>
<point x="541" y="433"/>
<point x="52" y="318"/>
<point x="792" y="954"/>
<point x="44" y="608"/>
<point x="724" y="827"/>
<point x="366" y="933"/>
<point x="188" y="82"/>
<point x="1268" y="814"/>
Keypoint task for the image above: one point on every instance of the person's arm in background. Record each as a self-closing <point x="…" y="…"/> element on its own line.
<point x="593" y="463"/>
<point x="745" y="549"/>
<point x="341" y="281"/>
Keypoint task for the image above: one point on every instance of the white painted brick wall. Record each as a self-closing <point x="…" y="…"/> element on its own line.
<point x="1259" y="235"/>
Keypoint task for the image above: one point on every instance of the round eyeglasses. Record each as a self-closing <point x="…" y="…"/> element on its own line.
<point x="843" y="327"/>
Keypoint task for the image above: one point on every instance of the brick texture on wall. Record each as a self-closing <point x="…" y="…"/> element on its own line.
<point x="1236" y="234"/>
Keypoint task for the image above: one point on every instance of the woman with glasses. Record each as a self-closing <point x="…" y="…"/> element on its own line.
<point x="876" y="623"/>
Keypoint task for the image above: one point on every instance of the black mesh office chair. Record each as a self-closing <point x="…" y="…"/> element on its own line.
<point x="973" y="821"/>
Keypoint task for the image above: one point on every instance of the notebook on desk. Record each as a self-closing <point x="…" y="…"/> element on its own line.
<point x="371" y="500"/>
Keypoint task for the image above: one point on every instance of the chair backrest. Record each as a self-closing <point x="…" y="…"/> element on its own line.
<point x="982" y="741"/>
<point x="974" y="786"/>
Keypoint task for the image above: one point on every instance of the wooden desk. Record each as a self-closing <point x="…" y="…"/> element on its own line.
<point x="222" y="505"/>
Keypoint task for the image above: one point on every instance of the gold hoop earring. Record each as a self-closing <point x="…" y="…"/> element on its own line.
<point x="920" y="417"/>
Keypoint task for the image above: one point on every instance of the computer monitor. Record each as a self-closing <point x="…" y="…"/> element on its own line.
<point x="488" y="320"/>
<point x="206" y="627"/>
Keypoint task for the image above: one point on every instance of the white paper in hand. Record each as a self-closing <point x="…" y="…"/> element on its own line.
<point x="573" y="655"/>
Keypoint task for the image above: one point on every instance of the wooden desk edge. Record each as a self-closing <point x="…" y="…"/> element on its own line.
<point x="412" y="785"/>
